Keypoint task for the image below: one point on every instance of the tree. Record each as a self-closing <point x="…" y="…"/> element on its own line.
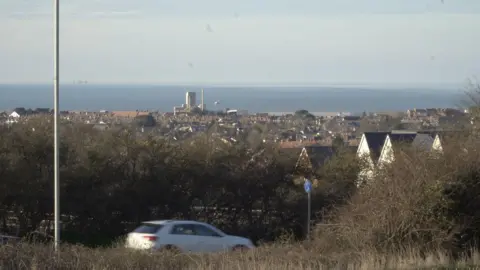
<point x="473" y="101"/>
<point x="112" y="180"/>
<point x="304" y="114"/>
<point x="338" y="142"/>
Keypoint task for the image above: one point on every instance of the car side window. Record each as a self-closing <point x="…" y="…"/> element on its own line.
<point x="183" y="229"/>
<point x="202" y="230"/>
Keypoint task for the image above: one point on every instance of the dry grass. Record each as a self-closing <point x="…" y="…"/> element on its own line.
<point x="25" y="256"/>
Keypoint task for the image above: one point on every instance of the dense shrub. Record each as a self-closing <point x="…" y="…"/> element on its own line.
<point x="112" y="180"/>
<point x="425" y="200"/>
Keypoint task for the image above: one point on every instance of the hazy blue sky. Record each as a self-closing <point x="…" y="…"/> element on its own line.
<point x="243" y="41"/>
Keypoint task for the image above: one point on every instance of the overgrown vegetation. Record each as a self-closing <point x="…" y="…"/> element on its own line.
<point x="423" y="203"/>
<point x="423" y="200"/>
<point x="112" y="180"/>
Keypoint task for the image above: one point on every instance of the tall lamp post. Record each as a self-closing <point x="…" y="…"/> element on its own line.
<point x="56" y="78"/>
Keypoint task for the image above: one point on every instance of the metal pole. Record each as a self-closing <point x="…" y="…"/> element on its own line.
<point x="308" y="215"/>
<point x="56" y="79"/>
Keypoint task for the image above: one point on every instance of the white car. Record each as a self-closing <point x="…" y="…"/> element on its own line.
<point x="184" y="236"/>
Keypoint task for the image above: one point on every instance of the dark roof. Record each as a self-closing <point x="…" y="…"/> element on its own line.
<point x="318" y="155"/>
<point x="443" y="134"/>
<point x="375" y="141"/>
<point x="423" y="141"/>
<point x="402" y="137"/>
<point x="20" y="111"/>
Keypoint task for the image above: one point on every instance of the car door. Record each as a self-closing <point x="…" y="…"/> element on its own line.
<point x="208" y="239"/>
<point x="184" y="237"/>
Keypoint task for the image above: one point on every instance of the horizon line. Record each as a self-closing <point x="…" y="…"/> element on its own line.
<point x="252" y="84"/>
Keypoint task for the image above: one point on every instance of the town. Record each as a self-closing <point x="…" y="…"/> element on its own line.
<point x="289" y="129"/>
<point x="309" y="137"/>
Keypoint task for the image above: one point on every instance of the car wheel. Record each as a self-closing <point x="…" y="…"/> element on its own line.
<point x="239" y="248"/>
<point x="170" y="249"/>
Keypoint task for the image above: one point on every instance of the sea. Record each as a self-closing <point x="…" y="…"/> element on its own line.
<point x="353" y="99"/>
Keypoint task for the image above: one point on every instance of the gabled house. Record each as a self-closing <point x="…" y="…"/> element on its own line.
<point x="312" y="158"/>
<point x="391" y="141"/>
<point x="17" y="112"/>
<point x="442" y="138"/>
<point x="14" y="114"/>
<point x="423" y="141"/>
<point x="371" y="144"/>
<point x="369" y="150"/>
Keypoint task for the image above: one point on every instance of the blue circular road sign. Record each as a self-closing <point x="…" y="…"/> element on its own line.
<point x="307" y="186"/>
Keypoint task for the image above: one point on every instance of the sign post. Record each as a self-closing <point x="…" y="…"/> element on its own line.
<point x="308" y="189"/>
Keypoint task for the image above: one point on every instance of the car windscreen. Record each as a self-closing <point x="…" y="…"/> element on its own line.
<point x="148" y="228"/>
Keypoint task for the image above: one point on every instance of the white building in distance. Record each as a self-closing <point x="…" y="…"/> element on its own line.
<point x="190" y="99"/>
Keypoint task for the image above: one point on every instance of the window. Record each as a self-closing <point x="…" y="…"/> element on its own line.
<point x="148" y="228"/>
<point x="183" y="229"/>
<point x="205" y="231"/>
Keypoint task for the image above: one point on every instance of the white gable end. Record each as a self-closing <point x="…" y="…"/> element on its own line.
<point x="437" y="144"/>
<point x="367" y="172"/>
<point x="386" y="156"/>
<point x="363" y="148"/>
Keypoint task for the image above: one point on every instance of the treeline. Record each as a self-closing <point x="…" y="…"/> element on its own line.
<point x="112" y="180"/>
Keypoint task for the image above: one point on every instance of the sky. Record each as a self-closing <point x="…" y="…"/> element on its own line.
<point x="245" y="42"/>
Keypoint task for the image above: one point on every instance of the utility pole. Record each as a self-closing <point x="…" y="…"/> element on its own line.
<point x="56" y="81"/>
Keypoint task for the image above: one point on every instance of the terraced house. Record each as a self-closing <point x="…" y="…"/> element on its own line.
<point x="369" y="150"/>
<point x="378" y="149"/>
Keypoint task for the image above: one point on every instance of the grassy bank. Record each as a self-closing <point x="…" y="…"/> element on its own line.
<point x="25" y="256"/>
